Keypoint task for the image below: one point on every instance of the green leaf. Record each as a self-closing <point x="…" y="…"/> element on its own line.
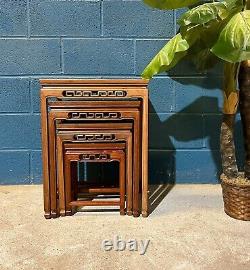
<point x="189" y="43"/>
<point x="204" y="60"/>
<point x="170" y="4"/>
<point x="167" y="57"/>
<point x="233" y="44"/>
<point x="204" y="13"/>
<point x="208" y="12"/>
<point x="202" y="40"/>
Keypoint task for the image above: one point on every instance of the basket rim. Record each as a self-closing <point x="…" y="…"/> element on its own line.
<point x="235" y="185"/>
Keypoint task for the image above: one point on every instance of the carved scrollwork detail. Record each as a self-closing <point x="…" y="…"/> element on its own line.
<point x="95" y="157"/>
<point x="94" y="115"/>
<point x="94" y="93"/>
<point x="95" y="137"/>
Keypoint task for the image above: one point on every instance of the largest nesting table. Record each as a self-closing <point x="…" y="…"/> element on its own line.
<point x="90" y="90"/>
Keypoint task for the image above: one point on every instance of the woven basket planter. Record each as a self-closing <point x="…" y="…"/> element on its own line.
<point x="236" y="200"/>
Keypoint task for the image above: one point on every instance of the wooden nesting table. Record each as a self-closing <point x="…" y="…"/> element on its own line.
<point x="94" y="118"/>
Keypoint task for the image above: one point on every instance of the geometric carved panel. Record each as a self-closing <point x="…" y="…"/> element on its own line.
<point x="95" y="157"/>
<point x="94" y="115"/>
<point x="94" y="93"/>
<point x="94" y="137"/>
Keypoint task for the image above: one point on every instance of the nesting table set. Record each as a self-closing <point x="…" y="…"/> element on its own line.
<point x="94" y="121"/>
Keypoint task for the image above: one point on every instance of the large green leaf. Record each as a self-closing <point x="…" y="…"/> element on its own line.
<point x="204" y="59"/>
<point x="193" y="41"/>
<point x="167" y="57"/>
<point x="170" y="4"/>
<point x="202" y="40"/>
<point x="233" y="44"/>
<point x="204" y="13"/>
<point x="208" y="12"/>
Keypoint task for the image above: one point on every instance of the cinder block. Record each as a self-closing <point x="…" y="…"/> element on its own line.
<point x="189" y="95"/>
<point x="36" y="167"/>
<point x="20" y="131"/>
<point x="162" y="167"/>
<point x="160" y="131"/>
<point x="176" y="131"/>
<point x="135" y="19"/>
<point x="14" y="95"/>
<point x="29" y="56"/>
<point x="65" y="18"/>
<point x="145" y="51"/>
<point x="98" y="57"/>
<point x="13" y="18"/>
<point x="184" y="166"/>
<point x="189" y="131"/>
<point x="212" y="124"/>
<point x="194" y="166"/>
<point x="14" y="167"/>
<point x="35" y="95"/>
<point x="212" y="94"/>
<point x="161" y="95"/>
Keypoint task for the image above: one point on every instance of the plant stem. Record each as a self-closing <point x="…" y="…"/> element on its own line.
<point x="227" y="147"/>
<point x="244" y="83"/>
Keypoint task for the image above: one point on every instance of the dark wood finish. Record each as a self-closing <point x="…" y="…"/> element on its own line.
<point x="99" y="190"/>
<point x="129" y="114"/>
<point x="76" y="155"/>
<point x="125" y="136"/>
<point x="62" y="138"/>
<point x="56" y="88"/>
<point x="95" y="104"/>
<point x="90" y="126"/>
<point x="94" y="203"/>
<point x="109" y="83"/>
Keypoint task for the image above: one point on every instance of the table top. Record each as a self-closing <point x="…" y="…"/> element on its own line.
<point x="95" y="82"/>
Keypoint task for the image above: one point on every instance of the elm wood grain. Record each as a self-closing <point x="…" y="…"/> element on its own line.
<point x="76" y="145"/>
<point x="104" y="127"/>
<point x="109" y="83"/>
<point x="94" y="203"/>
<point x="98" y="190"/>
<point x="54" y="214"/>
<point x="78" y="155"/>
<point x="67" y="126"/>
<point x="117" y="136"/>
<point x="57" y="87"/>
<point x="95" y="104"/>
<point x="125" y="136"/>
<point x="66" y="142"/>
<point x="73" y="147"/>
<point x="56" y="114"/>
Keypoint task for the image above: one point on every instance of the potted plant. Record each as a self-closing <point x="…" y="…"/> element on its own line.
<point x="209" y="33"/>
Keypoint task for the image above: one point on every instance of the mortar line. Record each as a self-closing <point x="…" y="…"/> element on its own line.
<point x="30" y="168"/>
<point x="174" y="89"/>
<point x="134" y="55"/>
<point x="101" y="17"/>
<point x="23" y="150"/>
<point x="30" y="97"/>
<point x="28" y="20"/>
<point x="175" y="24"/>
<point x="19" y="114"/>
<point x="61" y="56"/>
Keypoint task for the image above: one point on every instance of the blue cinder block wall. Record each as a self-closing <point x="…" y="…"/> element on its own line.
<point x="66" y="38"/>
